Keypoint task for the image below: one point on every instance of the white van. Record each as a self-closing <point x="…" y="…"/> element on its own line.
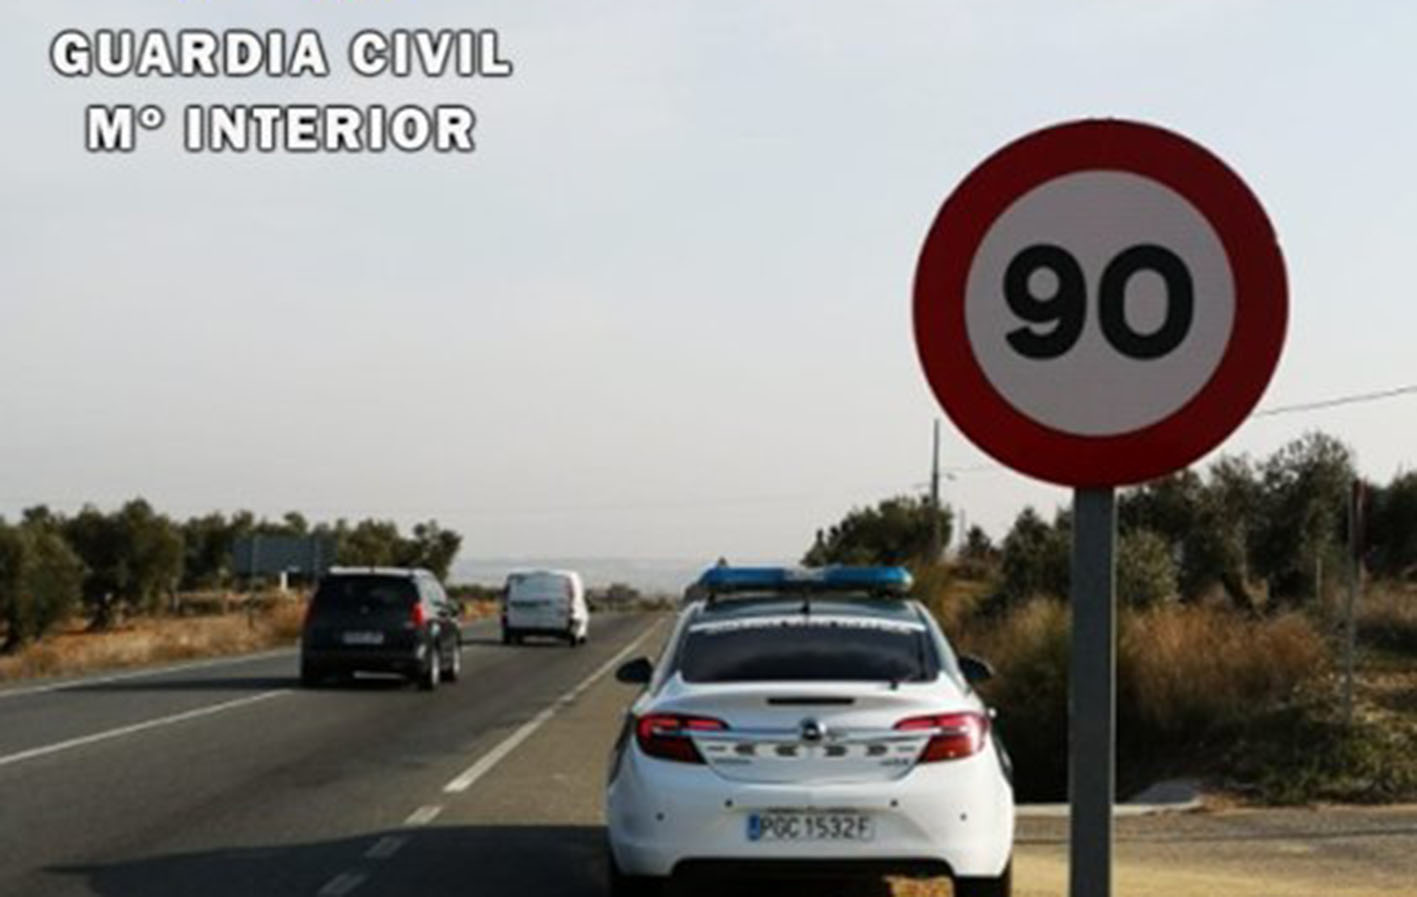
<point x="545" y="602"/>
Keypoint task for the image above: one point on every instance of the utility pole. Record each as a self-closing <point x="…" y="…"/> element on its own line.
<point x="935" y="547"/>
<point x="1355" y="582"/>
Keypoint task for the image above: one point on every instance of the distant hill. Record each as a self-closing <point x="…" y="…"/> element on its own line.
<point x="649" y="575"/>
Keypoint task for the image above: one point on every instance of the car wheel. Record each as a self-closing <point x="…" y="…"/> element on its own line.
<point x="984" y="886"/>
<point x="622" y="885"/>
<point x="454" y="671"/>
<point x="428" y="680"/>
<point x="310" y="675"/>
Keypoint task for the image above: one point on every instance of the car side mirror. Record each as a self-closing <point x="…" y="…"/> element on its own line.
<point x="975" y="669"/>
<point x="635" y="672"/>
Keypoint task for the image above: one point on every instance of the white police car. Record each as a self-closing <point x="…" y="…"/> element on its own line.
<point x="814" y="721"/>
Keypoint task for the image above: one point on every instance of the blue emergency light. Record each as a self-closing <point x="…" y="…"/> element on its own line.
<point x="721" y="580"/>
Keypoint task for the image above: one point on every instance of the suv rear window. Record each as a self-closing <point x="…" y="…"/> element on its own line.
<point x="372" y="592"/>
<point x="799" y="650"/>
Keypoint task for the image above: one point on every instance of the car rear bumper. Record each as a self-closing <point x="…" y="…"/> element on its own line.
<point x="942" y="818"/>
<point x="562" y="628"/>
<point x="815" y="868"/>
<point x="554" y="631"/>
<point x="406" y="661"/>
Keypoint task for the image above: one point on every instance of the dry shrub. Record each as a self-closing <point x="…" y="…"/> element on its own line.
<point x="1188" y="669"/>
<point x="1387" y="617"/>
<point x="951" y="593"/>
<point x="1028" y="647"/>
<point x="1186" y="676"/>
<point x="1031" y="639"/>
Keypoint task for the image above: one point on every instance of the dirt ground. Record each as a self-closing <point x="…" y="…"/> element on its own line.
<point x="1318" y="852"/>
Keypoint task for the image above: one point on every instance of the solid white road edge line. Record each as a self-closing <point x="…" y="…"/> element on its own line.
<point x="146" y="671"/>
<point x="138" y="727"/>
<point x="165" y="668"/>
<point x="509" y="744"/>
<point x="1119" y="811"/>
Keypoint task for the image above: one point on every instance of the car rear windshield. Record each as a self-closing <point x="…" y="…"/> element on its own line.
<point x="536" y="587"/>
<point x="807" y="650"/>
<point x="370" y="592"/>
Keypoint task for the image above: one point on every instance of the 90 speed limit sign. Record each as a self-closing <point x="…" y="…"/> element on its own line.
<point x="1100" y="303"/>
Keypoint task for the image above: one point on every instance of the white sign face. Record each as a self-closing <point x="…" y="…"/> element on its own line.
<point x="1099" y="303"/>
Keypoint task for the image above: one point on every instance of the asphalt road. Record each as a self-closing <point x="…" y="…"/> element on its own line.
<point x="226" y="780"/>
<point x="229" y="779"/>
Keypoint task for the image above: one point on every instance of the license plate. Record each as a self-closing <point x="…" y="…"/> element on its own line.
<point x="779" y="825"/>
<point x="363" y="638"/>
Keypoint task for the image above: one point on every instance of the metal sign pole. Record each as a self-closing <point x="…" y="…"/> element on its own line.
<point x="1092" y="692"/>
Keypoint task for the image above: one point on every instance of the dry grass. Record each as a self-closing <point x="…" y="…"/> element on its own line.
<point x="144" y="641"/>
<point x="1185" y="674"/>
<point x="480" y="608"/>
<point x="1185" y="669"/>
<point x="952" y="595"/>
<point x="1179" y="667"/>
<point x="1387" y="617"/>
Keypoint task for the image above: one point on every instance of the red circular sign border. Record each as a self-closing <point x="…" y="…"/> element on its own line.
<point x="1245" y="368"/>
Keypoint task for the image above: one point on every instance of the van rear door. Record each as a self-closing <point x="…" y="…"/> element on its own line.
<point x="539" y="601"/>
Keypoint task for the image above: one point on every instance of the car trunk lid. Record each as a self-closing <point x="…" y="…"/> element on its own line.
<point x="809" y="733"/>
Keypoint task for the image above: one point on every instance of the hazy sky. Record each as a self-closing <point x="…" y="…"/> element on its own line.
<point x="664" y="310"/>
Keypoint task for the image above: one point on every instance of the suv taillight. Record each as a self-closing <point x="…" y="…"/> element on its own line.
<point x="956" y="735"/>
<point x="418" y="616"/>
<point x="666" y="735"/>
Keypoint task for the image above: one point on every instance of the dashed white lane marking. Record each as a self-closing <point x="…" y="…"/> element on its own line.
<point x="423" y="815"/>
<point x="523" y="732"/>
<point x="341" y="884"/>
<point x="69" y="684"/>
<point x="385" y="847"/>
<point x="138" y="727"/>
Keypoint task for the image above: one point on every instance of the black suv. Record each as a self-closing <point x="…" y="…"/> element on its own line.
<point x="381" y="619"/>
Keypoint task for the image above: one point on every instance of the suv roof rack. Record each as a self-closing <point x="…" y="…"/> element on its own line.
<point x="883" y="582"/>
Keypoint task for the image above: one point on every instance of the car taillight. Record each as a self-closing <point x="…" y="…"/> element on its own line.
<point x="666" y="735"/>
<point x="956" y="735"/>
<point x="417" y="617"/>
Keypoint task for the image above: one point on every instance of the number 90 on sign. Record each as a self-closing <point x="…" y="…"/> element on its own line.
<point x="1066" y="308"/>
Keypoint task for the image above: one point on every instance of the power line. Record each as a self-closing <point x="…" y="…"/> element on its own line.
<point x="1317" y="405"/>
<point x="705" y="501"/>
<point x="1352" y="399"/>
